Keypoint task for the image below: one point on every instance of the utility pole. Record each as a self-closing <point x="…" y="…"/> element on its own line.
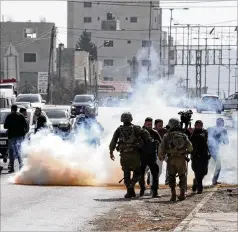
<point x="187" y="78"/>
<point x="96" y="86"/>
<point x="85" y="80"/>
<point x="149" y="48"/>
<point x="205" y="66"/>
<point x="50" y="63"/>
<point x="0" y="48"/>
<point x="229" y="64"/>
<point x="60" y="58"/>
<point x="90" y="75"/>
<point x="219" y="73"/>
<point x="169" y="40"/>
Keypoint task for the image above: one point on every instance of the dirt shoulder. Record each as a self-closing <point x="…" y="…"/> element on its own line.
<point x="146" y="213"/>
<point x="225" y="200"/>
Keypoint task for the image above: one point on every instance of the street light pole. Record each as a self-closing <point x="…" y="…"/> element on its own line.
<point x="169" y="40"/>
<point x="149" y="48"/>
<point x="187" y="76"/>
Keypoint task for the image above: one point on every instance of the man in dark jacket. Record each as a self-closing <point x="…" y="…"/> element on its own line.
<point x="200" y="155"/>
<point x="23" y="111"/>
<point x="16" y="125"/>
<point x="149" y="158"/>
<point x="39" y="119"/>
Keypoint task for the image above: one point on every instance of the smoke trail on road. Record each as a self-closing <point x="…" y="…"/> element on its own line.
<point x="53" y="161"/>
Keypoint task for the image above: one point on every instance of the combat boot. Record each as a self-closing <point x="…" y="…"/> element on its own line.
<point x="132" y="191"/>
<point x="128" y="194"/>
<point x="154" y="193"/>
<point x="182" y="196"/>
<point x="173" y="192"/>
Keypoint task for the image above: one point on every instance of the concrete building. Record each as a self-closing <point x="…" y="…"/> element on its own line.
<point x="30" y="43"/>
<point x="125" y="26"/>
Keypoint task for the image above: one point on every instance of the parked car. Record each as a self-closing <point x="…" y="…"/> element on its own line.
<point x="80" y="102"/>
<point x="36" y="100"/>
<point x="27" y="105"/>
<point x="3" y="132"/>
<point x="231" y="102"/>
<point x="209" y="102"/>
<point x="59" y="117"/>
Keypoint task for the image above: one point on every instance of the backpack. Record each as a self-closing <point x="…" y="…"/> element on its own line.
<point x="127" y="135"/>
<point x="177" y="143"/>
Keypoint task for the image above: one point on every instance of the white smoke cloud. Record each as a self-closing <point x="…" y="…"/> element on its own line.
<point x="53" y="161"/>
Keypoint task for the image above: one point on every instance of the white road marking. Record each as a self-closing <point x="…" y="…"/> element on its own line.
<point x="183" y="225"/>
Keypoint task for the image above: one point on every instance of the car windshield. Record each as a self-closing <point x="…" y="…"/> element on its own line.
<point x="25" y="104"/>
<point x="210" y="99"/>
<point x="31" y="99"/>
<point x="83" y="98"/>
<point x="52" y="113"/>
<point x="5" y="86"/>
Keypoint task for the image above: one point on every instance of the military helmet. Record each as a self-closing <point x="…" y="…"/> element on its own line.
<point x="89" y="111"/>
<point x="126" y="117"/>
<point x="173" y="122"/>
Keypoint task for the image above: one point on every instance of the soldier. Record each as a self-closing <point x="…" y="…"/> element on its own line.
<point x="200" y="155"/>
<point x="177" y="145"/>
<point x="127" y="139"/>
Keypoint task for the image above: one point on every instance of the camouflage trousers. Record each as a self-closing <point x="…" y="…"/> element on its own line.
<point x="177" y="165"/>
<point x="130" y="162"/>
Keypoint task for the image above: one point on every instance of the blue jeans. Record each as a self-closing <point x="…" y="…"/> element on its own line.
<point x="14" y="146"/>
<point x="217" y="170"/>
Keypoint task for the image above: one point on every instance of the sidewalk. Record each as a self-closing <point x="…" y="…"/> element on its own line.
<point x="216" y="212"/>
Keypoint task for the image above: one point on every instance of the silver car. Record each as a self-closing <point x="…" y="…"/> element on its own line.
<point x="231" y="102"/>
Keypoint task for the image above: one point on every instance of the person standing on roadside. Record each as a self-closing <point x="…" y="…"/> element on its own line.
<point x="23" y="111"/>
<point x="16" y="126"/>
<point x="39" y="119"/>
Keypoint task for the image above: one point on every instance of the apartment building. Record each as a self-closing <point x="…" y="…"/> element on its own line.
<point x="126" y="28"/>
<point x="25" y="51"/>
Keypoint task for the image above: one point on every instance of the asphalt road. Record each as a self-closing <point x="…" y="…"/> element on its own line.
<point x="35" y="208"/>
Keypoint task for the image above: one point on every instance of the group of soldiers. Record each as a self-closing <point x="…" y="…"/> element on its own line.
<point x="146" y="147"/>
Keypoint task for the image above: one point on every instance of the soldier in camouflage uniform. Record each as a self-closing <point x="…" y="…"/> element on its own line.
<point x="177" y="145"/>
<point x="128" y="139"/>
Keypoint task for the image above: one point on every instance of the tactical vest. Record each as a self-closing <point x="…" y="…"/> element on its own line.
<point x="177" y="143"/>
<point x="127" y="140"/>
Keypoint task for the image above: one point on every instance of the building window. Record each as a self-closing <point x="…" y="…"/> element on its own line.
<point x="108" y="43"/>
<point x="29" y="57"/>
<point x="108" y="62"/>
<point x="145" y="62"/>
<point x="87" y="19"/>
<point x="87" y="4"/>
<point x="145" y="43"/>
<point x="108" y="78"/>
<point x="128" y="79"/>
<point x="98" y="18"/>
<point x="129" y="41"/>
<point x="133" y="19"/>
<point x="30" y="33"/>
<point x="126" y="18"/>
